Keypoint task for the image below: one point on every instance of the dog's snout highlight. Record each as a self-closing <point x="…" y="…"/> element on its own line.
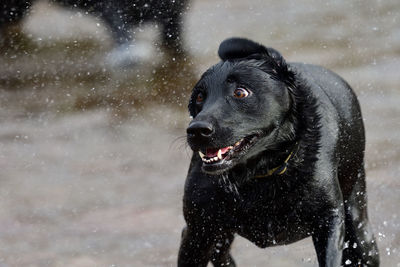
<point x="200" y="129"/>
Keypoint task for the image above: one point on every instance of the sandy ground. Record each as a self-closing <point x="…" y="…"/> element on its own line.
<point x="92" y="170"/>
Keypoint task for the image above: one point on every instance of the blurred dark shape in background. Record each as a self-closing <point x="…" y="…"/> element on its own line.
<point x="120" y="16"/>
<point x="131" y="75"/>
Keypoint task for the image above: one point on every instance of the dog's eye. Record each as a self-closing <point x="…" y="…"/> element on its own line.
<point x="241" y="93"/>
<point x="200" y="98"/>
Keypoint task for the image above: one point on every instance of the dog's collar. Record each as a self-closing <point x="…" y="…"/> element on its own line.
<point x="281" y="169"/>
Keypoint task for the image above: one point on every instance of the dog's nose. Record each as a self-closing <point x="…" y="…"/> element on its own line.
<point x="200" y="128"/>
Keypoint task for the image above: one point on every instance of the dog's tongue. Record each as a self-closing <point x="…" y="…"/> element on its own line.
<point x="213" y="152"/>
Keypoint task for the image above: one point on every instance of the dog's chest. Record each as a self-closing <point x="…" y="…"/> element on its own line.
<point x="271" y="216"/>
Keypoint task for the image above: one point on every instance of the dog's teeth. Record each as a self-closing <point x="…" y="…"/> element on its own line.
<point x="201" y="155"/>
<point x="209" y="160"/>
<point x="237" y="143"/>
<point x="220" y="154"/>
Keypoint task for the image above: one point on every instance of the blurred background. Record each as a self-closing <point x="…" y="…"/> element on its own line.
<point x="93" y="156"/>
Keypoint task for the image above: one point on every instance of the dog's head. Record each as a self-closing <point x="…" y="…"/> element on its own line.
<point x="239" y="105"/>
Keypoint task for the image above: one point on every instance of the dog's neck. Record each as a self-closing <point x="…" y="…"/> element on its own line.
<point x="280" y="167"/>
<point x="273" y="162"/>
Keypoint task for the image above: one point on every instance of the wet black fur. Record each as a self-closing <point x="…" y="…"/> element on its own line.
<point x="322" y="193"/>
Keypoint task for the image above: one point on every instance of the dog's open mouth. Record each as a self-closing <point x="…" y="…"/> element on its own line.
<point x="214" y="157"/>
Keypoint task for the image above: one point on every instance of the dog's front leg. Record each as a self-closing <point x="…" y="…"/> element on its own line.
<point x="195" y="248"/>
<point x="220" y="253"/>
<point x="328" y="238"/>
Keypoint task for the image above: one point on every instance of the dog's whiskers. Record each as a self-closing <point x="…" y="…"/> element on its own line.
<point x="181" y="141"/>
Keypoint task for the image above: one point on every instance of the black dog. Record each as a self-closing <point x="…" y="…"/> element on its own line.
<point x="120" y="16"/>
<point x="278" y="156"/>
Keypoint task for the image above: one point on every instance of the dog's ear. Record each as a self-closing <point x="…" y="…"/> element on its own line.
<point x="272" y="61"/>
<point x="235" y="48"/>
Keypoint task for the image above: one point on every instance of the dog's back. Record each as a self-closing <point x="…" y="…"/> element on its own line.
<point x="342" y="119"/>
